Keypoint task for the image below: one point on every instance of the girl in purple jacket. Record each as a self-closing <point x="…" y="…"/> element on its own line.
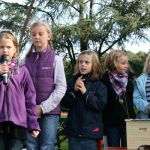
<point x="17" y="96"/>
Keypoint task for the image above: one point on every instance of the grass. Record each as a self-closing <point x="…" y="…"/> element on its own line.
<point x="63" y="144"/>
<point x="61" y="139"/>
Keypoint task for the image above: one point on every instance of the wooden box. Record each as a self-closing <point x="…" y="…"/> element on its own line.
<point x="116" y="148"/>
<point x="138" y="133"/>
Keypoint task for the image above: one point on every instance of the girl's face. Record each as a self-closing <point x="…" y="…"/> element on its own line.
<point x="85" y="64"/>
<point x="122" y="65"/>
<point x="40" y="37"/>
<point x="7" y="48"/>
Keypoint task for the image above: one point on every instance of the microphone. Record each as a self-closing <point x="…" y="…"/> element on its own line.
<point x="4" y="60"/>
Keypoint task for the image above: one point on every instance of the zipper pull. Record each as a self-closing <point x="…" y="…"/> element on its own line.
<point x="37" y="57"/>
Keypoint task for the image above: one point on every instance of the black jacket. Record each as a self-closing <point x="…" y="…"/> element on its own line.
<point x="85" y="110"/>
<point x="115" y="113"/>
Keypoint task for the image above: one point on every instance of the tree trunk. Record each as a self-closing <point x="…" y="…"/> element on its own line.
<point x="26" y="22"/>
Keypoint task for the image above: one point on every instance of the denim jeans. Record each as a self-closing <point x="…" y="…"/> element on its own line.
<point x="47" y="137"/>
<point x="82" y="144"/>
<point x="7" y="142"/>
<point x="116" y="136"/>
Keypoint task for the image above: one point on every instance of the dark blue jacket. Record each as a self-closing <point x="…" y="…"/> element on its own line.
<point x="85" y="110"/>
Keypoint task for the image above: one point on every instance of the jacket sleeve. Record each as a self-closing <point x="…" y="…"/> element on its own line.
<point x="138" y="98"/>
<point x="96" y="100"/>
<point x="30" y="101"/>
<point x="70" y="96"/>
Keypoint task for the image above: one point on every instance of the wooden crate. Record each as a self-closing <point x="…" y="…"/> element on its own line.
<point x="116" y="148"/>
<point x="138" y="133"/>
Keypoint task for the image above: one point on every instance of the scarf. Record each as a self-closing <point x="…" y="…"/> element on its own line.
<point x="118" y="81"/>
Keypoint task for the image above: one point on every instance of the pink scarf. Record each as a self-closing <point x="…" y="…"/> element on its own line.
<point x="119" y="81"/>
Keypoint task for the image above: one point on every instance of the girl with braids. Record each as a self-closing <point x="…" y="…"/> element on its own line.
<point x="17" y="96"/>
<point x="47" y="72"/>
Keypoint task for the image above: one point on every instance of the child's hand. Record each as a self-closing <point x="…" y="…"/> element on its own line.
<point x="38" y="111"/>
<point x="4" y="68"/>
<point x="79" y="85"/>
<point x="35" y="133"/>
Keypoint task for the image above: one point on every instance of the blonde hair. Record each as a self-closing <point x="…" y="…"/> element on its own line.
<point x="96" y="67"/>
<point x="46" y="25"/>
<point x="112" y="57"/>
<point x="146" y="68"/>
<point x="7" y="34"/>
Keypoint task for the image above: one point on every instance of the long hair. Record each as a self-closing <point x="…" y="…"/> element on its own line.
<point x="96" y="67"/>
<point x="7" y="34"/>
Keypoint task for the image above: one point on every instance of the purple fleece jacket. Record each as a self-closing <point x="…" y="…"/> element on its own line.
<point x="18" y="100"/>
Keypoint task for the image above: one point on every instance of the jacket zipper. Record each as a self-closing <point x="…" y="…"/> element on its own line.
<point x="73" y="95"/>
<point x="36" y="73"/>
<point x="7" y="112"/>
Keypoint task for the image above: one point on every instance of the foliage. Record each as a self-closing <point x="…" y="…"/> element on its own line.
<point x="137" y="62"/>
<point x="78" y="25"/>
<point x="63" y="145"/>
<point x="13" y="16"/>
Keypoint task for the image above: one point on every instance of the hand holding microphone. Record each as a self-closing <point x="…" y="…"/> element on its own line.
<point x="4" y="69"/>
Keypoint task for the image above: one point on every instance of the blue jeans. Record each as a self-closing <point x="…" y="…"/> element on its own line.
<point x="7" y="142"/>
<point x="116" y="136"/>
<point x="47" y="138"/>
<point x="82" y="144"/>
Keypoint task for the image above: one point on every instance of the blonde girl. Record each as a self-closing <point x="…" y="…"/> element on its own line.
<point x="119" y="82"/>
<point x="17" y="96"/>
<point x="85" y="98"/>
<point x="47" y="72"/>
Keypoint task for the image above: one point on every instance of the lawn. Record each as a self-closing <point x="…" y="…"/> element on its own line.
<point x="63" y="145"/>
<point x="62" y="142"/>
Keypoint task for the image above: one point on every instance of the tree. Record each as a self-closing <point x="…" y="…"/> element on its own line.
<point x="26" y="21"/>
<point x="15" y="17"/>
<point x="137" y="62"/>
<point x="79" y="25"/>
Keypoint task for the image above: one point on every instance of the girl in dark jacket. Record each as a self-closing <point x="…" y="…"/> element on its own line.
<point x="119" y="83"/>
<point x="86" y="98"/>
